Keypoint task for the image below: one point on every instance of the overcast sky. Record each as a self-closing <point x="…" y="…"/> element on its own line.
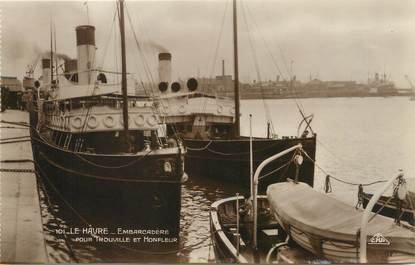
<point x="329" y="39"/>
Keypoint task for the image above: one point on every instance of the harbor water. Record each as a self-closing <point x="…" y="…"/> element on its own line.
<point x="360" y="140"/>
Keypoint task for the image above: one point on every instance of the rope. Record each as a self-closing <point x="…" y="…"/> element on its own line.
<point x="25" y="124"/>
<point x="17" y="170"/>
<point x="17" y="141"/>
<point x="11" y="127"/>
<point x="17" y="161"/>
<point x="199" y="149"/>
<point x="113" y="167"/>
<point x="241" y="153"/>
<point x="275" y="170"/>
<point x="14" y="138"/>
<point x="340" y="180"/>
<point x="256" y="64"/>
<point x="104" y="178"/>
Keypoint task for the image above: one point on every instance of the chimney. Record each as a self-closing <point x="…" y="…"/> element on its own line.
<point x="164" y="69"/>
<point x="46" y="71"/>
<point x="85" y="42"/>
<point x="223" y="68"/>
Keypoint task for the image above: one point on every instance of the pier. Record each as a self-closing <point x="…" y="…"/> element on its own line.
<point x="22" y="239"/>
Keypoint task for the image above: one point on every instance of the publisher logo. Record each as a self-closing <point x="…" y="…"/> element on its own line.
<point x="378" y="239"/>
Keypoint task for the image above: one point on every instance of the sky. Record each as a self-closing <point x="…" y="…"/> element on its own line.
<point x="325" y="39"/>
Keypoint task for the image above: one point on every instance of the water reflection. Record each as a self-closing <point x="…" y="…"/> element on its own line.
<point x="195" y="244"/>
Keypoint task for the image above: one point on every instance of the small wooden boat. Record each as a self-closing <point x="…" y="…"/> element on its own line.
<point x="246" y="231"/>
<point x="224" y="234"/>
<point x="387" y="207"/>
<point x="329" y="228"/>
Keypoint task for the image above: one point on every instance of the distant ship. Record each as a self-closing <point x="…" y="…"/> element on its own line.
<point x="210" y="128"/>
<point x="102" y="148"/>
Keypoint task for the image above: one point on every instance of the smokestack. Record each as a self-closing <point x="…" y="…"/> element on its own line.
<point x="85" y="42"/>
<point x="223" y="68"/>
<point x="164" y="67"/>
<point x="46" y="71"/>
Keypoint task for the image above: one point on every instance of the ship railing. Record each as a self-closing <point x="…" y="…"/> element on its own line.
<point x="367" y="215"/>
<point x="255" y="186"/>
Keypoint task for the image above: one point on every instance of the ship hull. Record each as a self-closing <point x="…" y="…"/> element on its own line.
<point x="118" y="192"/>
<point x="229" y="160"/>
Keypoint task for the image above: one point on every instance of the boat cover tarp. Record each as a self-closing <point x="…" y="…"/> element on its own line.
<point x="316" y="213"/>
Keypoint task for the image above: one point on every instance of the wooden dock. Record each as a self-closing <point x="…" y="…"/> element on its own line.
<point x="21" y="233"/>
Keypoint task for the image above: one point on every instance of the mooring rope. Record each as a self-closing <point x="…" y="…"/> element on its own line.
<point x="24" y="124"/>
<point x="17" y="161"/>
<point x="16" y="141"/>
<point x="338" y="179"/>
<point x="14" y="138"/>
<point x="17" y="170"/>
<point x="114" y="167"/>
<point x="201" y="148"/>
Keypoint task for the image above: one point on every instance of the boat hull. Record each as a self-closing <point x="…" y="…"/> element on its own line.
<point x="118" y="192"/>
<point x="229" y="160"/>
<point x="327" y="227"/>
<point x="389" y="209"/>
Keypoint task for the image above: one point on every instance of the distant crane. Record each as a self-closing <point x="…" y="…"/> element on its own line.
<point x="409" y="81"/>
<point x="412" y="87"/>
<point x="32" y="67"/>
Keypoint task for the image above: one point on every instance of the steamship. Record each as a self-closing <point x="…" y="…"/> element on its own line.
<point x="102" y="149"/>
<point x="210" y="128"/>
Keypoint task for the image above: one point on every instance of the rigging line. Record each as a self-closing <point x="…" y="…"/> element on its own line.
<point x="256" y="64"/>
<point x="149" y="49"/>
<point x="219" y="40"/>
<point x="210" y="80"/>
<point x="108" y="40"/>
<point x="139" y="47"/>
<point x="290" y="75"/>
<point x="329" y="151"/>
<point x="144" y="60"/>
<point x="272" y="56"/>
<point x="265" y="43"/>
<point x="114" y="167"/>
<point x="145" y="64"/>
<point x="285" y="63"/>
<point x="275" y="170"/>
<point x="147" y="69"/>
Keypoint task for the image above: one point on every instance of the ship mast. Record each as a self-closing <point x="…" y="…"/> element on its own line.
<point x="51" y="53"/>
<point x="236" y="71"/>
<point x="124" y="76"/>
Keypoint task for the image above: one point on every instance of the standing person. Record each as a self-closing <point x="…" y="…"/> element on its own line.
<point x="399" y="193"/>
<point x="4" y="98"/>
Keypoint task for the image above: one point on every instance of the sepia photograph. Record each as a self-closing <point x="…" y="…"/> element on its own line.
<point x="207" y="131"/>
